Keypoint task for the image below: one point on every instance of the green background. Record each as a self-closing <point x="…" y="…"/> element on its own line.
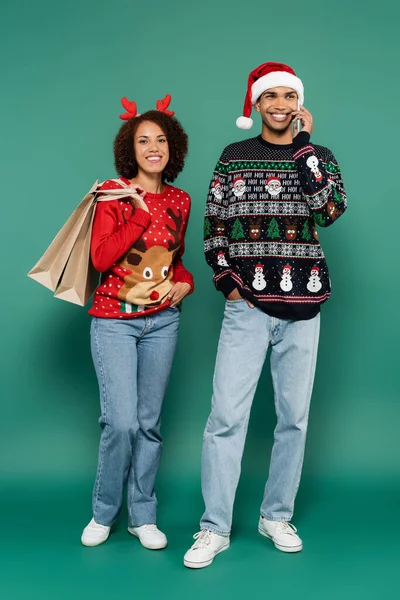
<point x="64" y="68"/>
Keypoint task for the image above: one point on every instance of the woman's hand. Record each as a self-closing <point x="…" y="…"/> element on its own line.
<point x="178" y="292"/>
<point x="137" y="198"/>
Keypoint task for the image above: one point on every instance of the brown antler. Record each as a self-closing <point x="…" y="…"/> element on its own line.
<point x="172" y="245"/>
<point x="162" y="105"/>
<point x="132" y="258"/>
<point x="131" y="109"/>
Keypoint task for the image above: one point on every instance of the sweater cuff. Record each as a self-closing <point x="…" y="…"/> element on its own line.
<point x="184" y="276"/>
<point x="301" y="139"/>
<point x="141" y="217"/>
<point x="226" y="285"/>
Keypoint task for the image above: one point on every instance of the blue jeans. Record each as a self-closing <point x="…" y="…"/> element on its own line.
<point x="133" y="360"/>
<point x="245" y="336"/>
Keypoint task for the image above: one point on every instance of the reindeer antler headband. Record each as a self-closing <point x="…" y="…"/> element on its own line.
<point x="131" y="108"/>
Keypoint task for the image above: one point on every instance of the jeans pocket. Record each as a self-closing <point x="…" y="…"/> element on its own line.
<point x="235" y="301"/>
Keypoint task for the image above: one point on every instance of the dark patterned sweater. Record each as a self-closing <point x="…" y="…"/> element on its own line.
<point x="263" y="206"/>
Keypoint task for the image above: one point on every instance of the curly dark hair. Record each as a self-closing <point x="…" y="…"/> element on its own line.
<point x="124" y="154"/>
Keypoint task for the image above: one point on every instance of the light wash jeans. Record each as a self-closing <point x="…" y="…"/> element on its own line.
<point x="245" y="336"/>
<point x="133" y="360"/>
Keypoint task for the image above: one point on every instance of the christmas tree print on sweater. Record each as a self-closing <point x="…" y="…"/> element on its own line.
<point x="272" y="199"/>
<point x="138" y="253"/>
<point x="273" y="229"/>
<point x="237" y="230"/>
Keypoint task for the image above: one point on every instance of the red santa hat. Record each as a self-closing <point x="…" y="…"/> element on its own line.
<point x="238" y="180"/>
<point x="265" y="77"/>
<point x="270" y="179"/>
<point x="217" y="183"/>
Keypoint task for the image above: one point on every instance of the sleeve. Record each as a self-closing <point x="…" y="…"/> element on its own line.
<point x="216" y="245"/>
<point x="110" y="238"/>
<point x="181" y="275"/>
<point x="320" y="180"/>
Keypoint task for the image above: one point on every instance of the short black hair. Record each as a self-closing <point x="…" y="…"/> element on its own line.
<point x="124" y="154"/>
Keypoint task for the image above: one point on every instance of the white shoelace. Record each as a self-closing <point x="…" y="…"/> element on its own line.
<point x="150" y="527"/>
<point x="285" y="527"/>
<point x="203" y="539"/>
<point x="98" y="526"/>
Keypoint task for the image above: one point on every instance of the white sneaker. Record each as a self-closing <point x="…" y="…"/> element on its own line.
<point x="149" y="536"/>
<point x="95" y="534"/>
<point x="205" y="549"/>
<point x="283" y="534"/>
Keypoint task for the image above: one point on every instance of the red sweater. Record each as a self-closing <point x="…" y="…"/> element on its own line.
<point x="139" y="254"/>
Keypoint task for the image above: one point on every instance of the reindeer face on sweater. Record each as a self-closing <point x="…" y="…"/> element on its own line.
<point x="290" y="230"/>
<point x="150" y="273"/>
<point x="255" y="229"/>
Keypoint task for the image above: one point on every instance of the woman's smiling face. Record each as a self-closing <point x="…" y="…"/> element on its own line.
<point x="151" y="148"/>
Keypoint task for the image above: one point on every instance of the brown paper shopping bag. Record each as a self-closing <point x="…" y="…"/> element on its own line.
<point x="69" y="268"/>
<point x="49" y="268"/>
<point x="79" y="279"/>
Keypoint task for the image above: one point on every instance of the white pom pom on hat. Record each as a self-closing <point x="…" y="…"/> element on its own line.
<point x="244" y="122"/>
<point x="265" y="77"/>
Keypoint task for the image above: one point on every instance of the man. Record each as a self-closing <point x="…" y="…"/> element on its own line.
<point x="287" y="184"/>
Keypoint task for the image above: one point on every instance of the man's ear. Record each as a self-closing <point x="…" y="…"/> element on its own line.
<point x="257" y="106"/>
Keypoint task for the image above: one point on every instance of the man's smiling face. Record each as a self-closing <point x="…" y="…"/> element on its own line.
<point x="276" y="107"/>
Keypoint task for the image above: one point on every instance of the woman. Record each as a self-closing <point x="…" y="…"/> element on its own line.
<point x="137" y="244"/>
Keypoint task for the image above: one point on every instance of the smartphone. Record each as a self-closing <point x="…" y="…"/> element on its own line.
<point x="298" y="120"/>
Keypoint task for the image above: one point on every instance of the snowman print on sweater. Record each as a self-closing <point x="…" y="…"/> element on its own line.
<point x="312" y="164"/>
<point x="314" y="283"/>
<point x="259" y="282"/>
<point x="221" y="260"/>
<point x="286" y="281"/>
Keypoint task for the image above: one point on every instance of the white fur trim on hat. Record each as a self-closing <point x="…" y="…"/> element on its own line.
<point x="276" y="79"/>
<point x="244" y="123"/>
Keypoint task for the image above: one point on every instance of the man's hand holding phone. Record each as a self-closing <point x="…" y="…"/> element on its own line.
<point x="303" y="116"/>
